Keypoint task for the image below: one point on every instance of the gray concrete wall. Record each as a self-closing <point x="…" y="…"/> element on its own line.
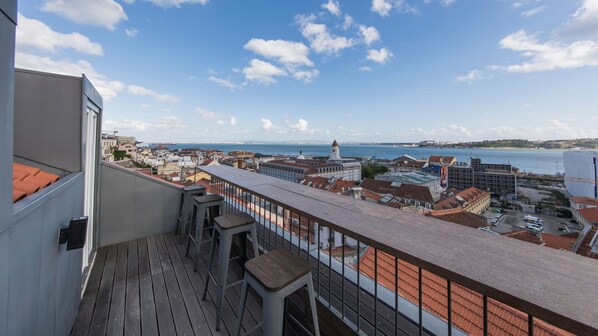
<point x="43" y="104"/>
<point x="133" y="205"/>
<point x="40" y="280"/>
<point x="8" y="17"/>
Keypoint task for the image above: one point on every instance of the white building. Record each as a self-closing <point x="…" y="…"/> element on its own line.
<point x="107" y="145"/>
<point x="294" y="170"/>
<point x="581" y="173"/>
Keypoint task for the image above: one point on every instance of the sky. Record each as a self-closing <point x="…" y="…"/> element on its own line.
<point x="288" y="70"/>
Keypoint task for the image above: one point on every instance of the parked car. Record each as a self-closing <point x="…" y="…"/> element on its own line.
<point x="535" y="228"/>
<point x="574" y="221"/>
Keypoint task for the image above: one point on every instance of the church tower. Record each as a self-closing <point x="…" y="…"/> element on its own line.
<point x="335" y="154"/>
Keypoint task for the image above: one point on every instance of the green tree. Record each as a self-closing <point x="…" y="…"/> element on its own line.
<point x="369" y="170"/>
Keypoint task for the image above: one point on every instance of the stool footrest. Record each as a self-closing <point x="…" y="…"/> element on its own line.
<point x="252" y="329"/>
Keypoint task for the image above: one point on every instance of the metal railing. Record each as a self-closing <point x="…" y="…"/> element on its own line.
<point x="378" y="289"/>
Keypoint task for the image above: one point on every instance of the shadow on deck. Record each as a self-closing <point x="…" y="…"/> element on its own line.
<point x="148" y="286"/>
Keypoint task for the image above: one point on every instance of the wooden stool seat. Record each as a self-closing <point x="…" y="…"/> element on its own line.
<point x="231" y="221"/>
<point x="277" y="269"/>
<point x="208" y="198"/>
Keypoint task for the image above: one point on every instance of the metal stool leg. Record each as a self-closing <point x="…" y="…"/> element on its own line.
<point x="223" y="260"/>
<point x="189" y="228"/>
<point x="212" y="250"/>
<point x="273" y="314"/>
<point x="199" y="226"/>
<point x="312" y="303"/>
<point x="254" y="241"/>
<point x="241" y="307"/>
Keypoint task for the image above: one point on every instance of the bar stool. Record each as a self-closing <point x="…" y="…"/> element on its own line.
<point x="187" y="206"/>
<point x="202" y="205"/>
<point x="227" y="226"/>
<point x="276" y="275"/>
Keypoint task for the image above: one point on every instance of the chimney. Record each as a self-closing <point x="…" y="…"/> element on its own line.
<point x="356" y="192"/>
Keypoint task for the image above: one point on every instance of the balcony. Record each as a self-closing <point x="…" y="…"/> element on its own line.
<point x="372" y="267"/>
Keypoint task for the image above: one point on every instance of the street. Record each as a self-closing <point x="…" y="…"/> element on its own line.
<point x="513" y="220"/>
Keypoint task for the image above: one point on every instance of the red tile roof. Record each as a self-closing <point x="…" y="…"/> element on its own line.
<point x="467" y="305"/>
<point x="590" y="214"/>
<point x="415" y="192"/>
<point x="585" y="200"/>
<point x="28" y="180"/>
<point x="459" y="216"/>
<point x="559" y="242"/>
<point x="441" y="159"/>
<point x="585" y="249"/>
<point x="379" y="187"/>
<point x="469" y="195"/>
<point x="524" y="235"/>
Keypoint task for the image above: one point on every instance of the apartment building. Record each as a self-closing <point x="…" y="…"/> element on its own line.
<point x="497" y="179"/>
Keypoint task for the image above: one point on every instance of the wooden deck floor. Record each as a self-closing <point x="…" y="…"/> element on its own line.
<point x="148" y="287"/>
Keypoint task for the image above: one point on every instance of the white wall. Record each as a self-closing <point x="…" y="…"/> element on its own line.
<point x="581" y="172"/>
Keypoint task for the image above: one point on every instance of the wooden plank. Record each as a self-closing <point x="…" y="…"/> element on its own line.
<point x="474" y="259"/>
<point x="116" y="318"/>
<point x="85" y="313"/>
<point x="177" y="304"/>
<point x="132" y="305"/>
<point x="100" y="314"/>
<point x="196" y="316"/>
<point x="163" y="311"/>
<point x="208" y="306"/>
<point x="149" y="325"/>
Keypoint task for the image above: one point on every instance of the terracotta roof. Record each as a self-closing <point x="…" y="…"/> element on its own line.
<point x="28" y="180"/>
<point x="590" y="214"/>
<point x="585" y="200"/>
<point x="459" y="216"/>
<point x="559" y="242"/>
<point x="334" y="144"/>
<point x="441" y="159"/>
<point x="206" y="162"/>
<point x="469" y="195"/>
<point x="377" y="186"/>
<point x="467" y="305"/>
<point x="524" y="235"/>
<point x="419" y="193"/>
<point x="585" y="249"/>
<point x="340" y="186"/>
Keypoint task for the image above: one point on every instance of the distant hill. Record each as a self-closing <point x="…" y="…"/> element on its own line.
<point x="522" y="143"/>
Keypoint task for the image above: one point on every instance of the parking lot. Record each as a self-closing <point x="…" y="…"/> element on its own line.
<point x="513" y="220"/>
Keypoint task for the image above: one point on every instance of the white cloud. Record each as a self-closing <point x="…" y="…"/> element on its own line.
<point x="517" y="4"/>
<point x="103" y="13"/>
<point x="302" y="126"/>
<point x="108" y="89"/>
<point x="364" y="68"/>
<point x="470" y="77"/>
<point x="321" y="41"/>
<point x="307" y="76"/>
<point x="207" y="115"/>
<point x="381" y="7"/>
<point x="333" y="7"/>
<point x="34" y="34"/>
<point x="370" y="34"/>
<point x="533" y="11"/>
<point x="172" y="3"/>
<point x="549" y="55"/>
<point x="145" y="106"/>
<point x="142" y="91"/>
<point x="447" y="2"/>
<point x="380" y="56"/>
<point x="166" y="123"/>
<point x="225" y="83"/>
<point x="232" y="121"/>
<point x="131" y="32"/>
<point x="348" y="22"/>
<point x="584" y="22"/>
<point x="267" y="124"/>
<point x="286" y="52"/>
<point x="263" y="72"/>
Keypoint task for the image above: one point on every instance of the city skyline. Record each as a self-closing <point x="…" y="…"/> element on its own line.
<point x="373" y="71"/>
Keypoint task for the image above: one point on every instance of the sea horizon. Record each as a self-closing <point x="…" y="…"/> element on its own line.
<point x="541" y="161"/>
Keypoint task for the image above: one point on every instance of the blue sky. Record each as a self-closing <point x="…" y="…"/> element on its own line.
<point x="376" y="70"/>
